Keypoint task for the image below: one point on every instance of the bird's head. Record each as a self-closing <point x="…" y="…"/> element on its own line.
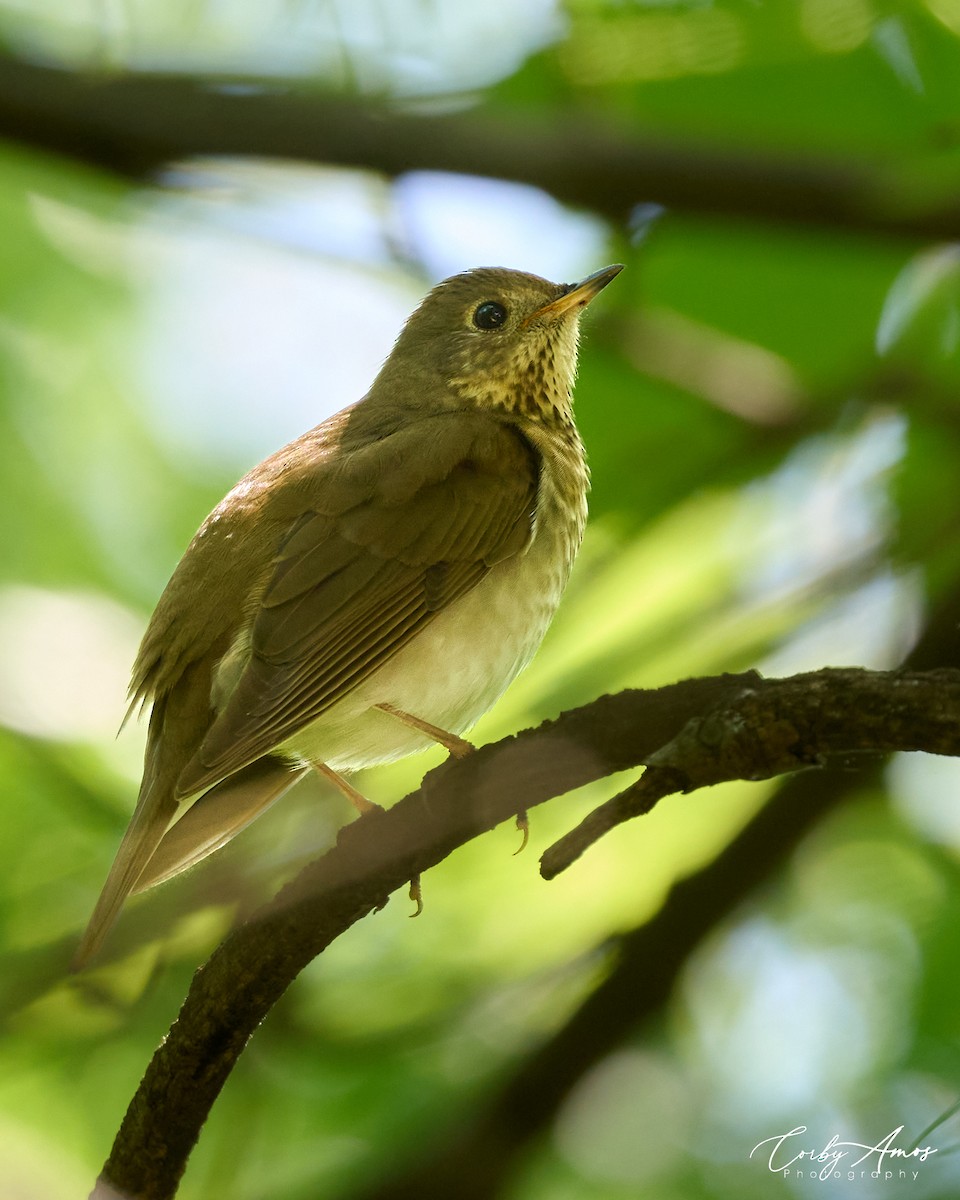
<point x="493" y="338"/>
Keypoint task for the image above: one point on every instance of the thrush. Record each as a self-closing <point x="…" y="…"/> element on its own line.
<point x="372" y="587"/>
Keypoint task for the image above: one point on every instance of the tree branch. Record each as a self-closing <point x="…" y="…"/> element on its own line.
<point x="135" y="124"/>
<point x="702" y="719"/>
<point x="776" y="727"/>
<point x="476" y="1153"/>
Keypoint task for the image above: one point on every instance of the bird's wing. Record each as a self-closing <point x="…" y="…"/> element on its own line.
<point x="351" y="587"/>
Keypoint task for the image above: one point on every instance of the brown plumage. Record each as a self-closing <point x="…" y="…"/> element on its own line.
<point x="408" y="552"/>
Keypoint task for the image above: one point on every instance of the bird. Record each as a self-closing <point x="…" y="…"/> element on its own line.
<point x="372" y="587"/>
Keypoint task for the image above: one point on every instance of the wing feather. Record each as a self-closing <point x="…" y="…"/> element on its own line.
<point x="349" y="590"/>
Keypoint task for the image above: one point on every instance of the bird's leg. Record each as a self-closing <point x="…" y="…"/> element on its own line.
<point x="457" y="746"/>
<point x="357" y="799"/>
<point x="363" y="805"/>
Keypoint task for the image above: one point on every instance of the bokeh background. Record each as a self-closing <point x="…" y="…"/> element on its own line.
<point x="769" y="398"/>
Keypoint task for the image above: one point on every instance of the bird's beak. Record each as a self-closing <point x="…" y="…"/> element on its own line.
<point x="577" y="295"/>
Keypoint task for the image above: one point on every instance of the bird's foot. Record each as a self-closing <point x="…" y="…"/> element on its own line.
<point x="523" y="824"/>
<point x="457" y="746"/>
<point x="416" y="895"/>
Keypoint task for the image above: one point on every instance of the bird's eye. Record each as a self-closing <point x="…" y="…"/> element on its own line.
<point x="489" y="315"/>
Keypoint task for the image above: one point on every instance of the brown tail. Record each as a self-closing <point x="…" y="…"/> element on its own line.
<point x="146" y="829"/>
<point x="153" y="850"/>
<point x="217" y="817"/>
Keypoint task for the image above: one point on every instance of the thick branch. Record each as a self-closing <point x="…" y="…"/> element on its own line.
<point x="477" y="1153"/>
<point x="776" y="727"/>
<point x="232" y="994"/>
<point x="135" y="124"/>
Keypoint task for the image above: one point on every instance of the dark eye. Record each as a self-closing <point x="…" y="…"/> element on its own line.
<point x="489" y="315"/>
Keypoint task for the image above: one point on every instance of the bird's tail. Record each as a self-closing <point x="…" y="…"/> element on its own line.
<point x="149" y="823"/>
<point x="217" y="817"/>
<point x="154" y="850"/>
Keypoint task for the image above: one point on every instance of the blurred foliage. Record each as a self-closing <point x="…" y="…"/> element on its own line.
<point x="772" y="419"/>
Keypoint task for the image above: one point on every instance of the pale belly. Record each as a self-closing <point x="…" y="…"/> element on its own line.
<point x="448" y="675"/>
